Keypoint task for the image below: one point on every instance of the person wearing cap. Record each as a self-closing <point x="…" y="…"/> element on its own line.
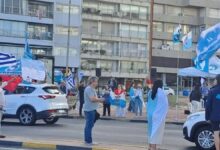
<point x="212" y="112"/>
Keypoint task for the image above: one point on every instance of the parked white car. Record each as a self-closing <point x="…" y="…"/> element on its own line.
<point x="168" y="91"/>
<point x="196" y="129"/>
<point x="32" y="102"/>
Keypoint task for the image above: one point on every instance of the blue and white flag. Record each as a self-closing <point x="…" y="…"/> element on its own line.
<point x="70" y="83"/>
<point x="9" y="65"/>
<point x="187" y="41"/>
<point x="27" y="50"/>
<point x="177" y="34"/>
<point x="208" y="45"/>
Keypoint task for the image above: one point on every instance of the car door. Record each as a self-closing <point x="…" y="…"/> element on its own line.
<point x="14" y="100"/>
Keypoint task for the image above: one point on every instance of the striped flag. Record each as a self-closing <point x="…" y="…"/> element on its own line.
<point x="70" y="83"/>
<point x="7" y="60"/>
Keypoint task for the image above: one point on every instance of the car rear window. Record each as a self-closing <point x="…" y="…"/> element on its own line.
<point x="52" y="90"/>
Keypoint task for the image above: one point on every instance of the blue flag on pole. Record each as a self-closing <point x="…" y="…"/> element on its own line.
<point x="27" y="50"/>
<point x="208" y="45"/>
<point x="187" y="41"/>
<point x="177" y="34"/>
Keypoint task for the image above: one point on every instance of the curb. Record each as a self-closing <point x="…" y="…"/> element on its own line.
<point x="124" y="120"/>
<point x="33" y="145"/>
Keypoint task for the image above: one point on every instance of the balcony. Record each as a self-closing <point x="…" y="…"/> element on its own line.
<point x="32" y="35"/>
<point x="31" y="11"/>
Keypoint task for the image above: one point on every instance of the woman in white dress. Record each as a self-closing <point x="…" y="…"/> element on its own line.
<point x="157" y="108"/>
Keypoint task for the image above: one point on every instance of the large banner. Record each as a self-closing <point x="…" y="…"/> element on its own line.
<point x="33" y="70"/>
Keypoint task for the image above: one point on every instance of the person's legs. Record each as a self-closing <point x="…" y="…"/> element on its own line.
<point x="80" y="107"/>
<point x="109" y="109"/>
<point x="136" y="106"/>
<point x="217" y="141"/>
<point x="104" y="109"/>
<point x="90" y="117"/>
<point x="140" y="105"/>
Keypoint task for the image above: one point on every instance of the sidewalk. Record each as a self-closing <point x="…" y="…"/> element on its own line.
<point x="174" y="116"/>
<point x="50" y="144"/>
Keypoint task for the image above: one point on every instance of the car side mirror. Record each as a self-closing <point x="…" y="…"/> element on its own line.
<point x="187" y="112"/>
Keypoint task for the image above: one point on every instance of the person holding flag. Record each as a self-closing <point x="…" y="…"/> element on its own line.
<point x="2" y="99"/>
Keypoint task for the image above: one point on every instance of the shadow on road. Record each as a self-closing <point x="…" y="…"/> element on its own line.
<point x="8" y="123"/>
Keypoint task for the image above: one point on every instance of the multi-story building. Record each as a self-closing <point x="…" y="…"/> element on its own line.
<point x="193" y="15"/>
<point x="115" y="38"/>
<point x="46" y="22"/>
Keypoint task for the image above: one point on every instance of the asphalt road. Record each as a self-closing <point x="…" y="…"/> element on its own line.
<point x="105" y="132"/>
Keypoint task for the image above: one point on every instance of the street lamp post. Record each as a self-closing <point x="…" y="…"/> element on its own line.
<point x="151" y="36"/>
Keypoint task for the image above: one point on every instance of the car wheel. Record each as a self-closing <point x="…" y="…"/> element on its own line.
<point x="51" y="120"/>
<point x="204" y="139"/>
<point x="27" y="116"/>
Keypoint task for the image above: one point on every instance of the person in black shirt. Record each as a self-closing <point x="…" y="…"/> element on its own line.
<point x="196" y="94"/>
<point x="81" y="96"/>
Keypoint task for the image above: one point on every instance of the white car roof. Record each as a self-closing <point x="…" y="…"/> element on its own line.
<point x="37" y="85"/>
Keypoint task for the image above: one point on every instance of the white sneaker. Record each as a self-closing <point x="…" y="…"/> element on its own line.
<point x="91" y="144"/>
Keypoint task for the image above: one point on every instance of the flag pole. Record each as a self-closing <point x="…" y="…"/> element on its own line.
<point x="68" y="40"/>
<point x="68" y="45"/>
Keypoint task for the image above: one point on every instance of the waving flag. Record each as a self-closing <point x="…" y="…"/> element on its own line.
<point x="70" y="83"/>
<point x="177" y="34"/>
<point x="208" y="45"/>
<point x="9" y="65"/>
<point x="187" y="41"/>
<point x="27" y="50"/>
<point x="12" y="85"/>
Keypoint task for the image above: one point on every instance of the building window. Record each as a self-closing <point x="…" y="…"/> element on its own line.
<point x="12" y="28"/>
<point x="190" y="12"/>
<point x="63" y="30"/>
<point x="125" y="10"/>
<point x="109" y="66"/>
<point x="174" y="11"/>
<point x="11" y="6"/>
<point x="90" y="47"/>
<point x="109" y="48"/>
<point x="90" y="27"/>
<point x="143" y="32"/>
<point x="143" y="13"/>
<point x="142" y="50"/>
<point x="88" y="64"/>
<point x="40" y="9"/>
<point x="134" y="12"/>
<point x="158" y="26"/>
<point x="65" y="9"/>
<point x="41" y="32"/>
<point x="108" y="9"/>
<point x="134" y="31"/>
<point x="125" y="30"/>
<point x="109" y="29"/>
<point x="158" y="9"/>
<point x="214" y="13"/>
<point x="62" y="51"/>
<point x="133" y="67"/>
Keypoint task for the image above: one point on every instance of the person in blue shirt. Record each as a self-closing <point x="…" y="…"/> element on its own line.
<point x="131" y="107"/>
<point x="212" y="113"/>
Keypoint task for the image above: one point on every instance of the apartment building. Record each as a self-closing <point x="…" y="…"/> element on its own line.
<point x="193" y="15"/>
<point x="46" y="22"/>
<point x="115" y="38"/>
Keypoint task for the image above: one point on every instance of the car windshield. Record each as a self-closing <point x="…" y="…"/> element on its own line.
<point x="52" y="90"/>
<point x="166" y="88"/>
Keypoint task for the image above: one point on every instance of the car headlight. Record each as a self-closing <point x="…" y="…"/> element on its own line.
<point x="193" y="117"/>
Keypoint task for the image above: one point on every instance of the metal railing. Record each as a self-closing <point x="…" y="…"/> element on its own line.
<point x="31" y="35"/>
<point x="30" y="11"/>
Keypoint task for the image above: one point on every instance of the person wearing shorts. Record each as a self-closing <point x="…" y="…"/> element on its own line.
<point x="213" y="111"/>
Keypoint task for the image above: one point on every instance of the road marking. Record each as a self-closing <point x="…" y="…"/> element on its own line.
<point x="100" y="148"/>
<point x="38" y="145"/>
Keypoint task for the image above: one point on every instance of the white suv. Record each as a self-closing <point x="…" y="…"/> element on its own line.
<point x="32" y="102"/>
<point x="196" y="129"/>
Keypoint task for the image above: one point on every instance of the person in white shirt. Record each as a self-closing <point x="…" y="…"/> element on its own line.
<point x="2" y="100"/>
